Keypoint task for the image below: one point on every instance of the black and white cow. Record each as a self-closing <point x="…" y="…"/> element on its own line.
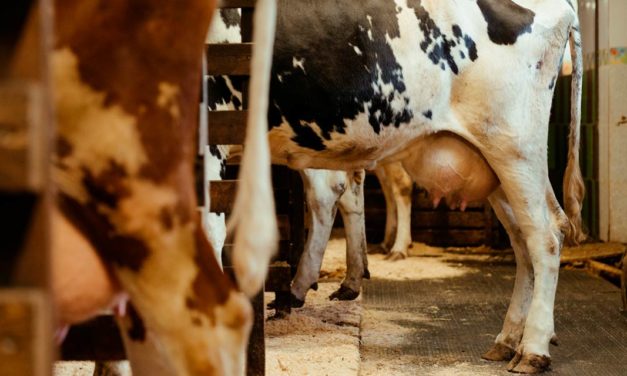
<point x="353" y="84"/>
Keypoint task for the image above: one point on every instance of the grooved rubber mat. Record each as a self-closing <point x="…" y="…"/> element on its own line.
<point x="441" y="327"/>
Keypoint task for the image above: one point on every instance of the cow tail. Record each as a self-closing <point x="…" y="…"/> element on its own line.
<point x="574" y="188"/>
<point x="253" y="215"/>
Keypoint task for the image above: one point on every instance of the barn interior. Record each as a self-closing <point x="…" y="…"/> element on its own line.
<point x="434" y="312"/>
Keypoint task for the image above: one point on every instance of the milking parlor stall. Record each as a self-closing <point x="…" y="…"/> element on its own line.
<point x="330" y="187"/>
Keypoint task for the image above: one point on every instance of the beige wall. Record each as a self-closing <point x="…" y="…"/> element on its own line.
<point x="612" y="108"/>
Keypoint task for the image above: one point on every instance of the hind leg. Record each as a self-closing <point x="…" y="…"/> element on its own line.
<point x="322" y="191"/>
<point x="508" y="339"/>
<point x="402" y="187"/>
<point x="542" y="225"/>
<point x="351" y="205"/>
<point x="391" y="218"/>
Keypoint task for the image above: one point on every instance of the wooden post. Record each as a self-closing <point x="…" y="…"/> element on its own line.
<point x="623" y="284"/>
<point x="26" y="345"/>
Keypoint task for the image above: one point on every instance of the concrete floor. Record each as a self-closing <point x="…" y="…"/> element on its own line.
<point x="442" y="326"/>
<point x="434" y="314"/>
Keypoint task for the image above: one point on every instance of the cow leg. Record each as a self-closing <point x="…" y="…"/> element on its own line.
<point x="322" y="191"/>
<point x="402" y="186"/>
<point x="542" y="225"/>
<point x="391" y="218"/>
<point x="507" y="341"/>
<point x="117" y="368"/>
<point x="351" y="205"/>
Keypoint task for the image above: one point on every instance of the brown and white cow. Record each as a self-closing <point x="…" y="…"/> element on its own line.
<point x="125" y="76"/>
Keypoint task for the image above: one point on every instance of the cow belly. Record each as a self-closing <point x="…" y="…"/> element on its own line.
<point x="449" y="167"/>
<point x="81" y="284"/>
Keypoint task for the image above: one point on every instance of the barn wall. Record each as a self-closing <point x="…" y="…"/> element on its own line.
<point x="612" y="37"/>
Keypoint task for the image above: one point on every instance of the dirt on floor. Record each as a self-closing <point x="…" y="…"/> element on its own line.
<point x="322" y="338"/>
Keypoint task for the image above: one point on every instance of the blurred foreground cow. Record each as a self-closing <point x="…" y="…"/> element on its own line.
<point x="126" y="77"/>
<point x="358" y="84"/>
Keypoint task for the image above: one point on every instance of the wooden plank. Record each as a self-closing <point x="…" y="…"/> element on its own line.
<point x="420" y="201"/>
<point x="279" y="277"/>
<point x="284" y="245"/>
<point x="247" y="25"/>
<point x="600" y="267"/>
<point x="223" y="4"/>
<point x="23" y="146"/>
<point x="231" y="59"/>
<point x="623" y="284"/>
<point x="227" y="127"/>
<point x="439" y="238"/>
<point x="24" y="333"/>
<point x="284" y="225"/>
<point x="222" y="195"/>
<point x="98" y="339"/>
<point x="433" y="219"/>
<point x="256" y="353"/>
<point x="591" y="251"/>
<point x="449" y="237"/>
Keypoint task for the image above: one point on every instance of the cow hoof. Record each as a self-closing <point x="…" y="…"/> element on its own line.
<point x="554" y="340"/>
<point x="529" y="364"/>
<point x="278" y="315"/>
<point x="314" y="286"/>
<point x="374" y="249"/>
<point x="366" y="274"/>
<point x="294" y="303"/>
<point x="271" y="305"/>
<point x="395" y="256"/>
<point x="344" y="293"/>
<point x="498" y="353"/>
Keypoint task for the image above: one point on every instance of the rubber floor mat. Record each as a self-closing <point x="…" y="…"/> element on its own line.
<point x="442" y="326"/>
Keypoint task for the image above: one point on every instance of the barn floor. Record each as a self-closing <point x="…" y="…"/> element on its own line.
<point x="442" y="326"/>
<point x="437" y="312"/>
<point x="434" y="314"/>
